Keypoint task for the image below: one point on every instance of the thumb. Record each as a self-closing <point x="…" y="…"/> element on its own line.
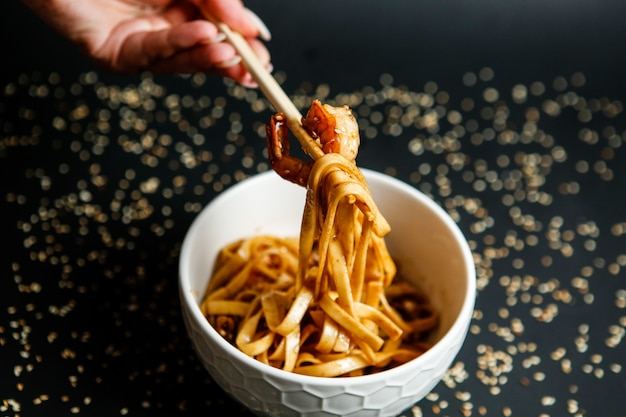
<point x="236" y="16"/>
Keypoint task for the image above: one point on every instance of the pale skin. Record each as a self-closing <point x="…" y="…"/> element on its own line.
<point x="162" y="36"/>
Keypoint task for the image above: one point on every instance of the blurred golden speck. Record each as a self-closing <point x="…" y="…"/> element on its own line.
<point x="520" y="180"/>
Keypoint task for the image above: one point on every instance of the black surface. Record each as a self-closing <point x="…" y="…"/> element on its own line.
<point x="90" y="320"/>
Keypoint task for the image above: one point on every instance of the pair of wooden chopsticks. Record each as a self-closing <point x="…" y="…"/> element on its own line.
<point x="270" y="88"/>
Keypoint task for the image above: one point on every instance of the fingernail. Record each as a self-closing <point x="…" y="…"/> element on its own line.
<point x="248" y="81"/>
<point x="218" y="38"/>
<point x="229" y="63"/>
<point x="264" y="32"/>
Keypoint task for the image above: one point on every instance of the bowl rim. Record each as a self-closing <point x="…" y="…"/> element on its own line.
<point x="458" y="326"/>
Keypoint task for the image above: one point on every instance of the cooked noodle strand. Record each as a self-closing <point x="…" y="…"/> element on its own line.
<point x="328" y="305"/>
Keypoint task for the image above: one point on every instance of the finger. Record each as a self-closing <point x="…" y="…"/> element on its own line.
<point x="231" y="12"/>
<point x="216" y="58"/>
<point x="210" y="58"/>
<point x="236" y="16"/>
<point x="141" y="47"/>
<point x="260" y="51"/>
<point x="181" y="12"/>
<point x="239" y="72"/>
<point x="188" y="47"/>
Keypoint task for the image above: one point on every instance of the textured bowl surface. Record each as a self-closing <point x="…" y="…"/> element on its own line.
<point x="429" y="249"/>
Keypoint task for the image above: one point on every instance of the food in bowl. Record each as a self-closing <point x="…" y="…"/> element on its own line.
<point x="252" y="298"/>
<point x="342" y="231"/>
<point x="430" y="251"/>
<point x="320" y="307"/>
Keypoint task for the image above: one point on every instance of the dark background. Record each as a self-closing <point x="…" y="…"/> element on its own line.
<point x="89" y="313"/>
<point x="350" y="43"/>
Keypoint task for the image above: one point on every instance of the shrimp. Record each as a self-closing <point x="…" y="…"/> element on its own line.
<point x="335" y="128"/>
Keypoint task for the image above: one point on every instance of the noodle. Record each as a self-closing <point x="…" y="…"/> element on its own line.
<point x="327" y="305"/>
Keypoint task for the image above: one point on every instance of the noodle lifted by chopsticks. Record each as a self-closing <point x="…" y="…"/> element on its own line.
<point x="326" y="305"/>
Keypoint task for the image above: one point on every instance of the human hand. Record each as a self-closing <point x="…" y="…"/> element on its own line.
<point x="161" y="36"/>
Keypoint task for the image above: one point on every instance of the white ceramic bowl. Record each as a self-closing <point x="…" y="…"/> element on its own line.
<point x="424" y="240"/>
